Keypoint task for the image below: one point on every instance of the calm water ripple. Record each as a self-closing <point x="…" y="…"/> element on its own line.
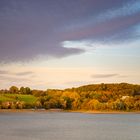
<point x="69" y="126"/>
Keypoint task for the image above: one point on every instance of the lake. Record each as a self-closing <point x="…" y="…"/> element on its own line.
<point x="68" y="126"/>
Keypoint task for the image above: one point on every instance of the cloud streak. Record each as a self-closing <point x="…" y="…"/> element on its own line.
<point x="10" y="73"/>
<point x="3" y="72"/>
<point x="24" y="73"/>
<point x="105" y="75"/>
<point x="13" y="79"/>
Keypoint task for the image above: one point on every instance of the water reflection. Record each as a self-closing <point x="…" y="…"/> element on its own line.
<point x="69" y="126"/>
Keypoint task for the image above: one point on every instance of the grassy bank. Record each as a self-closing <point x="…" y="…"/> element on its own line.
<point x="17" y="97"/>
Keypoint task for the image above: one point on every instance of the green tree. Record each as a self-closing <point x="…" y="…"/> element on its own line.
<point x="25" y="90"/>
<point x="14" y="90"/>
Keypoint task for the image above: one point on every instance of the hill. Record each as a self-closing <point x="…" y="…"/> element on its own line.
<point x="122" y="96"/>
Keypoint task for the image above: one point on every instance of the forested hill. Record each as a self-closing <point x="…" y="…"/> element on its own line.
<point x="121" y="96"/>
<point x="118" y="89"/>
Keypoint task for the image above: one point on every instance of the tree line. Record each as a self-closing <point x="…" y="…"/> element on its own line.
<point x="122" y="96"/>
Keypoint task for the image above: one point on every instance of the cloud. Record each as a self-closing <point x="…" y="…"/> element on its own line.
<point x="9" y="80"/>
<point x="126" y="9"/>
<point x="104" y="31"/>
<point x="24" y="73"/>
<point x="4" y="72"/>
<point x="119" y="24"/>
<point x="104" y="75"/>
<point x="32" y="29"/>
<point x="13" y="79"/>
<point x="11" y="73"/>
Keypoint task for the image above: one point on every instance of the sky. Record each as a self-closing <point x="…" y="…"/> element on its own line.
<point x="68" y="43"/>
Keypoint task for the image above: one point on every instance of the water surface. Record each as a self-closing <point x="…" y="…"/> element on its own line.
<point x="68" y="126"/>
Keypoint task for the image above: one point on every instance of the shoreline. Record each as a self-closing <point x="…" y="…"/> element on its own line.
<point x="104" y="112"/>
<point x="67" y="111"/>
